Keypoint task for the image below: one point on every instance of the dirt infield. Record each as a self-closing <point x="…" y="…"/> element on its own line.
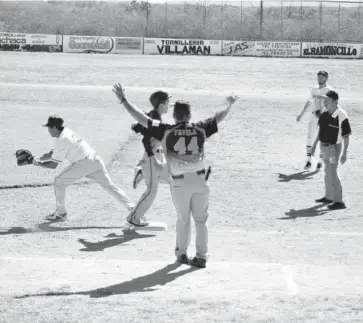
<point x="275" y="255"/>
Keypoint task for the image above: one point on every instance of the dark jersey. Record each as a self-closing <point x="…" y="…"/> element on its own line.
<point x="183" y="143"/>
<point x="148" y="141"/>
<point x="333" y="127"/>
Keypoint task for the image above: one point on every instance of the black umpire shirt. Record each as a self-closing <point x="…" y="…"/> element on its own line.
<point x="334" y="127"/>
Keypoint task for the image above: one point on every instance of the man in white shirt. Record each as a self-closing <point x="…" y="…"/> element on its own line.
<point x="84" y="162"/>
<point x="316" y="101"/>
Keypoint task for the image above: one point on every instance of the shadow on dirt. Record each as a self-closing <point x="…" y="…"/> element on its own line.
<point x="145" y="283"/>
<point x="104" y="244"/>
<point x="297" y="176"/>
<point x="305" y="213"/>
<point x="47" y="227"/>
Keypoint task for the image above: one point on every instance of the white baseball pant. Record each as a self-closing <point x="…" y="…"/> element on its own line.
<point x="93" y="168"/>
<point x="191" y="196"/>
<point x="152" y="175"/>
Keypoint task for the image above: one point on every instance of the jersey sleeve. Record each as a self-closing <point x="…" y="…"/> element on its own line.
<point x="157" y="129"/>
<point x="209" y="125"/>
<point x="346" y="129"/>
<point x="60" y="150"/>
<point x="311" y="96"/>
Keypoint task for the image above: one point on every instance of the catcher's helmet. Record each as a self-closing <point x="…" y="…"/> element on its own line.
<point x="158" y="97"/>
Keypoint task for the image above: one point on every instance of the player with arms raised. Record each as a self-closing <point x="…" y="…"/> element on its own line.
<point x="183" y="144"/>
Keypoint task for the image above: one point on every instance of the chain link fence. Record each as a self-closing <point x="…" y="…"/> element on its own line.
<point x="253" y="20"/>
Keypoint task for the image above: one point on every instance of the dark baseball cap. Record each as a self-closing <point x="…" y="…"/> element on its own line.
<point x="158" y="97"/>
<point x="181" y="108"/>
<point x="324" y="73"/>
<point x="332" y="94"/>
<point x="54" y="121"/>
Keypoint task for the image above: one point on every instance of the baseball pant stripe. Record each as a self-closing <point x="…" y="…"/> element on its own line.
<point x="148" y="196"/>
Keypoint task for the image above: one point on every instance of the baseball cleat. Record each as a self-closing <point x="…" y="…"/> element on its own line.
<point x="183" y="259"/>
<point x="56" y="216"/>
<point x="307" y="165"/>
<point x="319" y="166"/>
<point x="198" y="262"/>
<point x="138" y="223"/>
<point x="337" y="206"/>
<point x="324" y="200"/>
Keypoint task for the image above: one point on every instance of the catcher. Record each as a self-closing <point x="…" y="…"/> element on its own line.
<point x="316" y="100"/>
<point x="84" y="162"/>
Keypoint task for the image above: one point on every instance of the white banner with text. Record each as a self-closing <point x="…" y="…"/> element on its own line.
<point x="30" y="42"/>
<point x="331" y="50"/>
<point x="261" y="48"/>
<point x="164" y="46"/>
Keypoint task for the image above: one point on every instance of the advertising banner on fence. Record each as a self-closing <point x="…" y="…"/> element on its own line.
<point x="260" y="48"/>
<point x="331" y="50"/>
<point x="128" y="45"/>
<point x="164" y="46"/>
<point x="30" y="42"/>
<point x="12" y="41"/>
<point x="88" y="44"/>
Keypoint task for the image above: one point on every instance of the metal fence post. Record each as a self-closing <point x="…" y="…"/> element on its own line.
<point x="359" y="6"/>
<point x="301" y="19"/>
<point x="166" y="18"/>
<point x="261" y="19"/>
<point x="339" y="19"/>
<point x="321" y="19"/>
<point x="281" y="24"/>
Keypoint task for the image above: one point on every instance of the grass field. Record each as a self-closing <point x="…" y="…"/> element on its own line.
<point x="275" y="255"/>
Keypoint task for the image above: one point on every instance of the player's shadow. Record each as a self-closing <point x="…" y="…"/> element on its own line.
<point x="305" y="213"/>
<point x="104" y="244"/>
<point x="145" y="283"/>
<point x="297" y="176"/>
<point x="47" y="227"/>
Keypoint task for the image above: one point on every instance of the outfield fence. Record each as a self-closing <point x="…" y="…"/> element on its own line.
<point x="174" y="46"/>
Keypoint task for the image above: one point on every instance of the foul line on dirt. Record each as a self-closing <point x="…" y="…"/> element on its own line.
<point x="292" y="287"/>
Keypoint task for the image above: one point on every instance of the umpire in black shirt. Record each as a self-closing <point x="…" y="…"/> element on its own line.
<point x="334" y="128"/>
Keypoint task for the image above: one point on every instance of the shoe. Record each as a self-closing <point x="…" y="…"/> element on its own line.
<point x="307" y="165"/>
<point x="183" y="259"/>
<point x="319" y="166"/>
<point x="336" y="206"/>
<point x="198" y="262"/>
<point x="56" y="216"/>
<point x="324" y="200"/>
<point x="138" y="223"/>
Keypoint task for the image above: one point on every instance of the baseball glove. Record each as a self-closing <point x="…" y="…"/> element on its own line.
<point x="318" y="113"/>
<point x="24" y="157"/>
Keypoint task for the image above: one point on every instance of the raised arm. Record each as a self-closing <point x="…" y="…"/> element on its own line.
<point x="135" y="112"/>
<point x="219" y="116"/>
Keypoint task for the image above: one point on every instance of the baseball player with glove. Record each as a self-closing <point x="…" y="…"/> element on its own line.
<point x="183" y="144"/>
<point x="24" y="157"/>
<point x="84" y="162"/>
<point x="152" y="167"/>
<point x="316" y="100"/>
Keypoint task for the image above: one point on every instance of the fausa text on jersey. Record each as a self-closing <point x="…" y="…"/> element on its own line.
<point x="185" y="132"/>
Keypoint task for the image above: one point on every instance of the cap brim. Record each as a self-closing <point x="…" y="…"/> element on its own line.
<point x="45" y="125"/>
